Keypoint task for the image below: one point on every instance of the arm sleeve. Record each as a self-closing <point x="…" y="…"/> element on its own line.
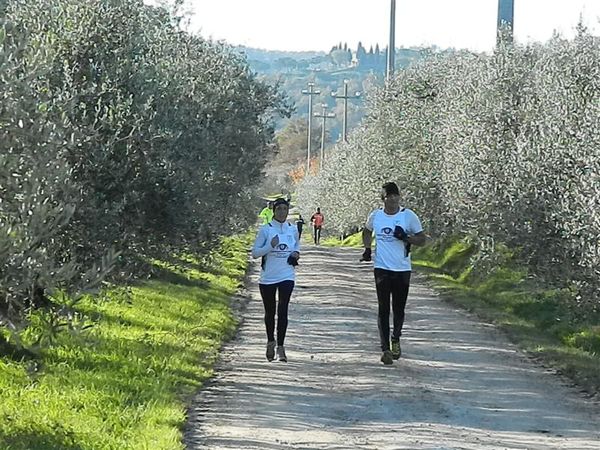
<point x="261" y="247"/>
<point x="369" y="224"/>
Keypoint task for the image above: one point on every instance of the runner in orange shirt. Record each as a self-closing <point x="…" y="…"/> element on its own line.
<point x="317" y="220"/>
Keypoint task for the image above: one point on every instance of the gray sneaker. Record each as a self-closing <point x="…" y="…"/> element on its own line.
<point x="271" y="350"/>
<point x="281" y="354"/>
<point x="387" y="358"/>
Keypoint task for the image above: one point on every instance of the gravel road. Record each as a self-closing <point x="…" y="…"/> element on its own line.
<point x="459" y="385"/>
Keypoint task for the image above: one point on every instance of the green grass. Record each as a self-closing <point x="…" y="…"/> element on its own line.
<point x="537" y="317"/>
<point x="124" y="383"/>
<point x="354" y="240"/>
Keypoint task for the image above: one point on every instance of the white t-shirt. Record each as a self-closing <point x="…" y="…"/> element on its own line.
<point x="390" y="253"/>
<point x="276" y="268"/>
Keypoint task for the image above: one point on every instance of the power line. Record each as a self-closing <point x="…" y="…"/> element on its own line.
<point x="324" y="115"/>
<point x="345" y="96"/>
<point x="391" y="56"/>
<point x="310" y="92"/>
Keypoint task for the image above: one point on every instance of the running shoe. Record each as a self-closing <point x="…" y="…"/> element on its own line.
<point x="271" y="350"/>
<point x="396" y="350"/>
<point x="281" y="354"/>
<point x="387" y="358"/>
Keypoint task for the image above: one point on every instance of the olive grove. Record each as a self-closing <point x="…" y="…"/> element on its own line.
<point x="122" y="137"/>
<point x="501" y="148"/>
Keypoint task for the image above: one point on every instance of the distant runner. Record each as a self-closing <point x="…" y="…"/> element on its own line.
<point x="267" y="213"/>
<point x="300" y="224"/>
<point x="317" y="220"/>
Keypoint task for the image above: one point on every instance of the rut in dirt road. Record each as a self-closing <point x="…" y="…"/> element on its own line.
<point x="458" y="385"/>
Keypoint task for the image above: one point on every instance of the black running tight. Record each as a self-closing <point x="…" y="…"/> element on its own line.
<point x="317" y="234"/>
<point x="267" y="292"/>
<point x="394" y="284"/>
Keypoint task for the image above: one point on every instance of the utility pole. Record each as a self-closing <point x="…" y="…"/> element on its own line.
<point x="345" y="96"/>
<point x="391" y="56"/>
<point x="506" y="15"/>
<point x="324" y="115"/>
<point x="310" y="92"/>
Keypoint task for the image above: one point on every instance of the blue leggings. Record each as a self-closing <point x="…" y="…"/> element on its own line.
<point x="267" y="292"/>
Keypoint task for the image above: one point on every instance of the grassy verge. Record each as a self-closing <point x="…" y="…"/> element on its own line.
<point x="124" y="382"/>
<point x="534" y="316"/>
<point x="354" y="240"/>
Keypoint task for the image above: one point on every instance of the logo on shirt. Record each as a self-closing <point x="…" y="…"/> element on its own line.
<point x="282" y="247"/>
<point x="386" y="234"/>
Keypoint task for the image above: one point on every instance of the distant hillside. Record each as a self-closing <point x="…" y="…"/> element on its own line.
<point x="363" y="68"/>
<point x="268" y="56"/>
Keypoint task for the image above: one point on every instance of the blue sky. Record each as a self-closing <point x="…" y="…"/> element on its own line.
<point x="319" y="24"/>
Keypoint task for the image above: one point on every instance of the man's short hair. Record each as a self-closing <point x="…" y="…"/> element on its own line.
<point x="389" y="188"/>
<point x="280" y="201"/>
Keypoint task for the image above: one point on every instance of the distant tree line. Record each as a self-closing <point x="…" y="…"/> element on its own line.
<point x="340" y="56"/>
<point x="373" y="59"/>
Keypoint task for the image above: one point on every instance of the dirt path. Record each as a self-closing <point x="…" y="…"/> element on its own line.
<point x="459" y="385"/>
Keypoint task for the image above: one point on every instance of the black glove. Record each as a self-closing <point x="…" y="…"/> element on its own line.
<point x="366" y="256"/>
<point x="399" y="233"/>
<point x="292" y="260"/>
